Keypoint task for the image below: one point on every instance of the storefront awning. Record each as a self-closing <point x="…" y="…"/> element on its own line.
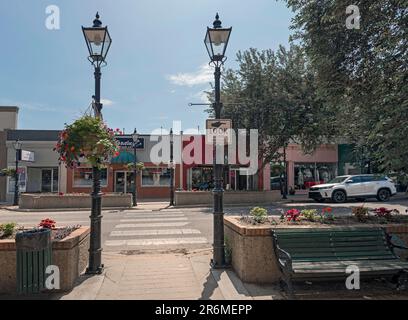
<point x="124" y="157"/>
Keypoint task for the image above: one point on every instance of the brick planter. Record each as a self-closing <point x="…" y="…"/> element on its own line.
<point x="69" y="254"/>
<point x="253" y="255"/>
<point x="55" y="201"/>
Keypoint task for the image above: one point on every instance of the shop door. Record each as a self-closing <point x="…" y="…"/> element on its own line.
<point x="124" y="182"/>
<point x="49" y="180"/>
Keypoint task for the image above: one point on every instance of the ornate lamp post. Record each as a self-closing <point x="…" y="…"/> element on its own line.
<point x="135" y="137"/>
<point x="216" y="42"/>
<point x="171" y="165"/>
<point x="17" y="147"/>
<point x="285" y="175"/>
<point x="98" y="42"/>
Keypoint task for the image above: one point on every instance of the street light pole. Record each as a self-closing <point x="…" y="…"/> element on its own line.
<point x="135" y="138"/>
<point x="171" y="169"/>
<point x="216" y="41"/>
<point x="17" y="147"/>
<point x="285" y="175"/>
<point x="98" y="42"/>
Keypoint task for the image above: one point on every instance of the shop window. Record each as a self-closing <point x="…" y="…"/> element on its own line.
<point x="21" y="181"/>
<point x="310" y="174"/>
<point x="156" y="177"/>
<point x="202" y="178"/>
<point x="83" y="177"/>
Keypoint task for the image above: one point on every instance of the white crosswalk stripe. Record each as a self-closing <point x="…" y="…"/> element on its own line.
<point x="154" y="219"/>
<point x="152" y="230"/>
<point x="156" y="242"/>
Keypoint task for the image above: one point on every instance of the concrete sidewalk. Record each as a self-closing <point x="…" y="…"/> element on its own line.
<point x="162" y="276"/>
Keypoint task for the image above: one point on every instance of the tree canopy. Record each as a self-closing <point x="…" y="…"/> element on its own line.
<point x="361" y="74"/>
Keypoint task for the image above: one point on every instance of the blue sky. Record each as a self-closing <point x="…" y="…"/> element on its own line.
<point x="156" y="66"/>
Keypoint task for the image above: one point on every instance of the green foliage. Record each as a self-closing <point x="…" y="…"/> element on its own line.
<point x="275" y="92"/>
<point x="87" y="137"/>
<point x="259" y="214"/>
<point x="139" y="166"/>
<point x="227" y="250"/>
<point x="310" y="215"/>
<point x="7" y="229"/>
<point x="361" y="73"/>
<point x="361" y="213"/>
<point x="8" y="172"/>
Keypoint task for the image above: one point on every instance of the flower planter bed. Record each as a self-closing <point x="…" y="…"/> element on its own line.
<point x="69" y="254"/>
<point x="252" y="250"/>
<point x="55" y="201"/>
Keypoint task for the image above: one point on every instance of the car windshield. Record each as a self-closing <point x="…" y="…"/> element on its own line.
<point x="338" y="180"/>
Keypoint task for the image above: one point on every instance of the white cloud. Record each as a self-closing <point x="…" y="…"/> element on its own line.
<point x="204" y="75"/>
<point x="202" y="97"/>
<point x="107" y="102"/>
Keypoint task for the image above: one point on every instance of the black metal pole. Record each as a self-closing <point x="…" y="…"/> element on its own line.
<point x="285" y="175"/>
<point x="95" y="247"/>
<point x="16" y="180"/>
<point x="134" y="175"/>
<point x="218" y="191"/>
<point x="171" y="170"/>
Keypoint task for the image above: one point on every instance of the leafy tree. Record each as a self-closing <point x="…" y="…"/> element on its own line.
<point x="361" y="74"/>
<point x="275" y="93"/>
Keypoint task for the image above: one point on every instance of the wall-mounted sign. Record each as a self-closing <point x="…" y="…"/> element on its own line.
<point x="27" y="156"/>
<point x="217" y="128"/>
<point x="127" y="142"/>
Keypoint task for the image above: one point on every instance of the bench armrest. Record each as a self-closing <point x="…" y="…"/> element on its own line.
<point x="284" y="258"/>
<point x="392" y="244"/>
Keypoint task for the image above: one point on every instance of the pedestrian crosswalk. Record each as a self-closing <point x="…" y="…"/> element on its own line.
<point x="154" y="229"/>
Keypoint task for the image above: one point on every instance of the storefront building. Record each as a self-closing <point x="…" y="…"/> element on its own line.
<point x="41" y="174"/>
<point x="306" y="170"/>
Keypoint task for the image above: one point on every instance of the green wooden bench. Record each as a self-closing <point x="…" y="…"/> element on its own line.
<point x="324" y="254"/>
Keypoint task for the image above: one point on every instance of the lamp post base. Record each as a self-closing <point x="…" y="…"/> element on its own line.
<point x="98" y="270"/>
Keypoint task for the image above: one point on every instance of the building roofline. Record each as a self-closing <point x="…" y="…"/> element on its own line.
<point x="9" y="108"/>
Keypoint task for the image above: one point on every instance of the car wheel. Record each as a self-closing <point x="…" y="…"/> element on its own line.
<point x="383" y="195"/>
<point x="320" y="200"/>
<point x="339" y="196"/>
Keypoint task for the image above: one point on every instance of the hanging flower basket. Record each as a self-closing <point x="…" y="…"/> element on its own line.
<point x="88" y="138"/>
<point x="8" y="172"/>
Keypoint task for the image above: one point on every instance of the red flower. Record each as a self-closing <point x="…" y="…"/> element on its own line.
<point x="292" y="214"/>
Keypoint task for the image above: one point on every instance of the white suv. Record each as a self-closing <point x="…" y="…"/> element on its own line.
<point x="360" y="187"/>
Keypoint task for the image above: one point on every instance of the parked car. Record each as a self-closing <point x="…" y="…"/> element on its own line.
<point x="275" y="183"/>
<point x="354" y="186"/>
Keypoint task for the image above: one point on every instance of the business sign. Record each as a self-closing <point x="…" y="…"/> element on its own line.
<point x="27" y="156"/>
<point x="218" y="128"/>
<point x="127" y="142"/>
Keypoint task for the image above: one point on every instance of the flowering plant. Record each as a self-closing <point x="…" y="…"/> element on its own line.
<point x="47" y="223"/>
<point x="292" y="215"/>
<point x="327" y="213"/>
<point x="384" y="212"/>
<point x="87" y="137"/>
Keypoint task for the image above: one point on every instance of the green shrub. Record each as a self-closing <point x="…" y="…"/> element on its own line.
<point x="259" y="214"/>
<point x="361" y="213"/>
<point x="7" y="229"/>
<point x="310" y="214"/>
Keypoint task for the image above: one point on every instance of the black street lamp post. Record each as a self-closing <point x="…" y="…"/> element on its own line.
<point x="17" y="147"/>
<point x="216" y="42"/>
<point x="285" y="175"/>
<point x="98" y="42"/>
<point x="171" y="165"/>
<point x="135" y="137"/>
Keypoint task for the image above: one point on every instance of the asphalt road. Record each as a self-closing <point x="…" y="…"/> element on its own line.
<point x="168" y="229"/>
